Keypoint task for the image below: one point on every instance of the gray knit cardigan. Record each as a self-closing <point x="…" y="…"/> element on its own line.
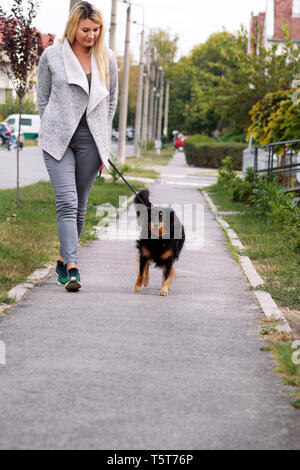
<point x="63" y="96"/>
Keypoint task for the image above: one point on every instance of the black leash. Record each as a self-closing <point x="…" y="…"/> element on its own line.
<point x="116" y="169"/>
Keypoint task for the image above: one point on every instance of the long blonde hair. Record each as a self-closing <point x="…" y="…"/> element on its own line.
<point x="82" y="11"/>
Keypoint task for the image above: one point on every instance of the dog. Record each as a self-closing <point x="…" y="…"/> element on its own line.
<point x="161" y="240"/>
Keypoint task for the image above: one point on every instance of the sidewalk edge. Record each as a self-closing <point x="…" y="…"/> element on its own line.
<point x="265" y="300"/>
<point x="38" y="276"/>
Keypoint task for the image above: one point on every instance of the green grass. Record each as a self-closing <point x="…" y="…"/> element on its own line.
<point x="28" y="235"/>
<point x="150" y="158"/>
<point x="138" y="172"/>
<point x="268" y="248"/>
<point x="283" y="352"/>
<point x="30" y="143"/>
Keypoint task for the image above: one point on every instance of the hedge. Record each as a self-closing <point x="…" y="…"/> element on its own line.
<point x="210" y="154"/>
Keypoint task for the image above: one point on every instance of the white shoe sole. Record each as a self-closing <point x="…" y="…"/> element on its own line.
<point x="73" y="284"/>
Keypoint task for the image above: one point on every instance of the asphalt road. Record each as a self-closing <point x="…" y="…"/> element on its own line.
<point x="32" y="167"/>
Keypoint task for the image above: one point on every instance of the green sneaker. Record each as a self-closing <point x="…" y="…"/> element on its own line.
<point x="73" y="280"/>
<point x="61" y="273"/>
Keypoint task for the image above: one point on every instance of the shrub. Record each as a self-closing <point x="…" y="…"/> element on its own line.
<point x="209" y="154"/>
<point x="231" y="136"/>
<point x="237" y="188"/>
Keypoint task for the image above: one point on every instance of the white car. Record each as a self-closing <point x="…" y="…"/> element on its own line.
<point x="114" y="135"/>
<point x="30" y="124"/>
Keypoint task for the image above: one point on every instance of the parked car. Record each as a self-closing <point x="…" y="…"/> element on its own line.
<point x="11" y="142"/>
<point x="5" y="132"/>
<point x="30" y="124"/>
<point x="114" y="135"/>
<point x="129" y="134"/>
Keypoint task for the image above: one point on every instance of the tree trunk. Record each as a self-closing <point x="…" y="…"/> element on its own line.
<point x="18" y="154"/>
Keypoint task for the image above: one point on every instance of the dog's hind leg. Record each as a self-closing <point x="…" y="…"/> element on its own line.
<point x="141" y="275"/>
<point x="168" y="274"/>
<point x="146" y="274"/>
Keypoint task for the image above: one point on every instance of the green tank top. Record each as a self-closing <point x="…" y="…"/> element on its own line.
<point x="83" y="119"/>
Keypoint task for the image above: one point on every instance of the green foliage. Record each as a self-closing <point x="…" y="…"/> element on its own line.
<point x="149" y="145"/>
<point x="166" y="46"/>
<point x="237" y="188"/>
<point x="284" y="353"/>
<point x="205" y="152"/>
<point x="232" y="136"/>
<point x="266" y="195"/>
<point x="217" y="85"/>
<point x="122" y="170"/>
<point x="11" y="106"/>
<point x="276" y="118"/>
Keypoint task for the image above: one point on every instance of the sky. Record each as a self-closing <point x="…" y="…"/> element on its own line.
<point x="192" y="20"/>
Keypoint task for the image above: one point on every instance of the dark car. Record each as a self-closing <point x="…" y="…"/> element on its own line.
<point x="5" y="132"/>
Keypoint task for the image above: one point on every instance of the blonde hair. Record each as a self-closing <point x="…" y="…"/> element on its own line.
<point x="82" y="11"/>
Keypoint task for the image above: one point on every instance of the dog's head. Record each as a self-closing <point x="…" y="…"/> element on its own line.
<point x="158" y="222"/>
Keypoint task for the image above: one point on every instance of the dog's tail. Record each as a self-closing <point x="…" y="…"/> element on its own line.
<point x="143" y="198"/>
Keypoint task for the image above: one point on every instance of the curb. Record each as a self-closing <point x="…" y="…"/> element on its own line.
<point x="265" y="300"/>
<point x="20" y="290"/>
<point x="40" y="275"/>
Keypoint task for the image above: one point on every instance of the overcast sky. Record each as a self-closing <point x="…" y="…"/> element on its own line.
<point x="192" y="20"/>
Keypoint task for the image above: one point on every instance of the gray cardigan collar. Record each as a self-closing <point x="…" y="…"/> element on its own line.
<point x="76" y="76"/>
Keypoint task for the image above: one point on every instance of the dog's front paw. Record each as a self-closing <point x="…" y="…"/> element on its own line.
<point x="137" y="287"/>
<point x="164" y="292"/>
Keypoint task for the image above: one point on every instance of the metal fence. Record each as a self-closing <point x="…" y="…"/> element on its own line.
<point x="286" y="163"/>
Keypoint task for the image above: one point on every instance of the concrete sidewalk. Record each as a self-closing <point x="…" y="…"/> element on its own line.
<point x="108" y="368"/>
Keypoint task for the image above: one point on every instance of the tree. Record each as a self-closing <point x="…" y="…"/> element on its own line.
<point x="19" y="52"/>
<point x="217" y="85"/>
<point x="165" y="45"/>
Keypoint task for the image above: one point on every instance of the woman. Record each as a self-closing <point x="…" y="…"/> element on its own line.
<point x="77" y="90"/>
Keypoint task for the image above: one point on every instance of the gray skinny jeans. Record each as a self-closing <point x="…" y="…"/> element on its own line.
<point x="72" y="179"/>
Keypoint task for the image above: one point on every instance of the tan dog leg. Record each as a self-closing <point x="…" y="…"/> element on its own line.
<point x="166" y="283"/>
<point x="146" y="274"/>
<point x="144" y="262"/>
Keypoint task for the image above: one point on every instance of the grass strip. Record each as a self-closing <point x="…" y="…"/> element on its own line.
<point x="267" y="246"/>
<point x="150" y="158"/>
<point x="28" y="236"/>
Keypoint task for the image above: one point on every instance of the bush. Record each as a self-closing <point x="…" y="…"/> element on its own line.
<point x="266" y="195"/>
<point x="209" y="154"/>
<point x="231" y="136"/>
<point x="237" y="188"/>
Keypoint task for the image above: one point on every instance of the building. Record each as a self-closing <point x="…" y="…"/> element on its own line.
<point x="266" y="27"/>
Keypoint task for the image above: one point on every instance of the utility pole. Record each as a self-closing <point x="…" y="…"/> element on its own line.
<point x="138" y="113"/>
<point x="152" y="91"/>
<point x="72" y="3"/>
<point x="113" y="25"/>
<point x="166" y="120"/>
<point x="161" y="97"/>
<point x="156" y="96"/>
<point x="124" y="93"/>
<point x="146" y="97"/>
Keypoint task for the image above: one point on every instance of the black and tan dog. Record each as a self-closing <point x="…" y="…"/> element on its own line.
<point x="161" y="240"/>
